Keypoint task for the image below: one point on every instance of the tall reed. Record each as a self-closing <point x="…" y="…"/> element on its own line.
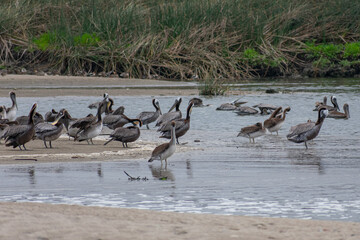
<point x="170" y="38"/>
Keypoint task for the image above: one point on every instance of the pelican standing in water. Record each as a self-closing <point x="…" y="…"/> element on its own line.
<point x="11" y="111"/>
<point x="274" y="122"/>
<point x="19" y="135"/>
<point x="149" y="117"/>
<point x="252" y="131"/>
<point x="49" y="131"/>
<point x="181" y="125"/>
<point x="165" y="150"/>
<point x="128" y="134"/>
<point x="307" y="131"/>
<point x="169" y="116"/>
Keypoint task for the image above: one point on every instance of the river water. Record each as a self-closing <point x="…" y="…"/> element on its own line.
<point x="228" y="175"/>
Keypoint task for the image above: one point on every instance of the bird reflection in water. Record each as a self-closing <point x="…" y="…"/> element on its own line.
<point x="161" y="173"/>
<point x="99" y="171"/>
<point x="189" y="171"/>
<point x="308" y="159"/>
<point x="31" y="171"/>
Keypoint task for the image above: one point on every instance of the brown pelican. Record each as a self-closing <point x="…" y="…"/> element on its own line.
<point x="198" y="102"/>
<point x="330" y="108"/>
<point x="92" y="129"/>
<point x="5" y="126"/>
<point x="19" y="135"/>
<point x="169" y="116"/>
<point x="128" y="134"/>
<point x="68" y="122"/>
<point x="116" y="119"/>
<point x="11" y="111"/>
<point x="181" y="125"/>
<point x="265" y="108"/>
<point x="103" y="103"/>
<point x="149" y="117"/>
<point x="245" y="110"/>
<point x="51" y="115"/>
<point x="49" y="131"/>
<point x="165" y="150"/>
<point x="252" y="131"/>
<point x="317" y="104"/>
<point x="274" y="122"/>
<point x="306" y="131"/>
<point x="24" y="119"/>
<point x="337" y="114"/>
<point x="230" y="106"/>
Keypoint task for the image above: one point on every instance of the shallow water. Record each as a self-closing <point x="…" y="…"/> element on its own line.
<point x="273" y="177"/>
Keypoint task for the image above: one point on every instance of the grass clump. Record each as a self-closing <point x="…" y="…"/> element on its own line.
<point x="213" y="87"/>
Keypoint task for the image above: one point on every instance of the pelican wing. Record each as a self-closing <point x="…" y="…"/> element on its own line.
<point x="300" y="128"/>
<point x="168" y="117"/>
<point x="159" y="150"/>
<point x="44" y="127"/>
<point x="248" y="130"/>
<point x="83" y="122"/>
<point x="146" y="116"/>
<point x="16" y="130"/>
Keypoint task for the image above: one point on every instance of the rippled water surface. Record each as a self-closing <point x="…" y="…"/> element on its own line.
<point x="273" y="177"/>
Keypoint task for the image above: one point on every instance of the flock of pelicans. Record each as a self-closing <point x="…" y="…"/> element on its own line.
<point x="17" y="131"/>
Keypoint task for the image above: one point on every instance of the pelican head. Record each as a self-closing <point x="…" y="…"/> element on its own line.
<point x="58" y="117"/>
<point x="334" y="102"/>
<point x="176" y="104"/>
<point x="13" y="99"/>
<point x="137" y="122"/>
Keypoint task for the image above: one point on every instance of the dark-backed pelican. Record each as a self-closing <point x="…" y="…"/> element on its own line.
<point x="19" y="135"/>
<point x="128" y="134"/>
<point x="149" y="117"/>
<point x="307" y="131"/>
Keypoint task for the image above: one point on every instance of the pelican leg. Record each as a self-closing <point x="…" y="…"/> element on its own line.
<point x="277" y="133"/>
<point x="87" y="140"/>
<point x="126" y="145"/>
<point x="50" y="144"/>
<point x="250" y="139"/>
<point x="45" y="144"/>
<point x="123" y="144"/>
<point x="24" y="147"/>
<point x="91" y="141"/>
<point x="166" y="163"/>
<point x="20" y="147"/>
<point x="306" y="145"/>
<point x="177" y="141"/>
<point x="147" y="125"/>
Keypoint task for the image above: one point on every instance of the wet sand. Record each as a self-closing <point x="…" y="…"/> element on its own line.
<point x="65" y="150"/>
<point x="47" y="221"/>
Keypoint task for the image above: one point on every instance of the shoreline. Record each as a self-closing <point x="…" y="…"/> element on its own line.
<point x="49" y="221"/>
<point x="56" y="221"/>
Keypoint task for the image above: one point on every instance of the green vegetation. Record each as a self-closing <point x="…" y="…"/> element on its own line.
<point x="179" y="38"/>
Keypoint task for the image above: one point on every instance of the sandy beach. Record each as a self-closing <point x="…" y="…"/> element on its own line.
<point x="45" y="221"/>
<point x="48" y="221"/>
